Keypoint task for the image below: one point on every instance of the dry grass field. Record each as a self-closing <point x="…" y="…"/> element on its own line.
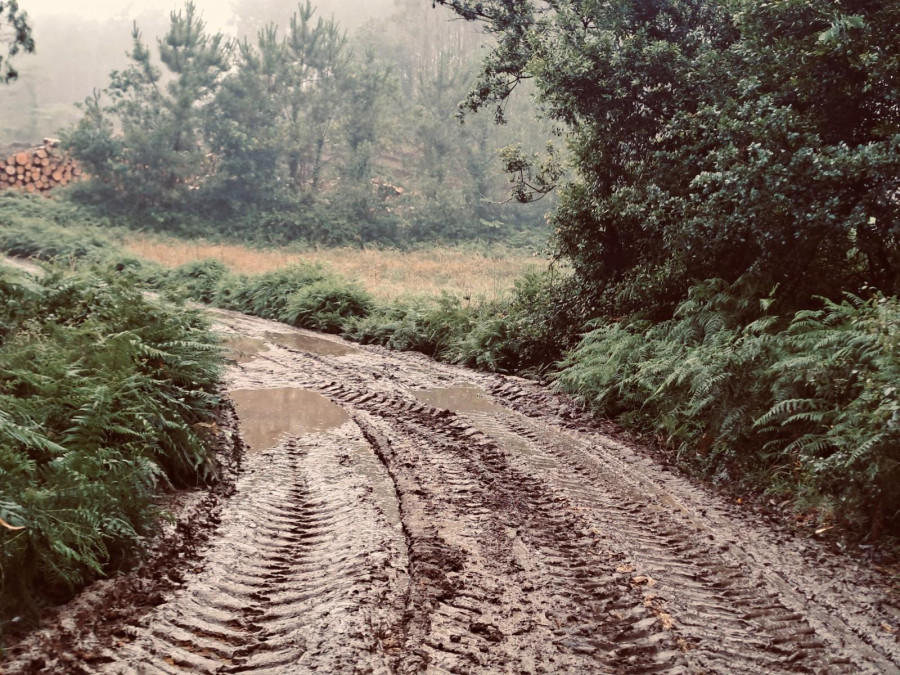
<point x="386" y="274"/>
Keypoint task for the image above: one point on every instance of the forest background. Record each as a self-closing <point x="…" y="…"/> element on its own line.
<point x="288" y="127"/>
<point x="716" y="184"/>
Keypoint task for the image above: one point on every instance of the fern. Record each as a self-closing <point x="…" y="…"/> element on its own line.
<point x="98" y="392"/>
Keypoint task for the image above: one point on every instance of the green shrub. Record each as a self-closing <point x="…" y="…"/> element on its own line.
<point x="266" y="295"/>
<point x="808" y="408"/>
<point x="524" y="334"/>
<point x="400" y="327"/>
<point x="424" y="326"/>
<point x="200" y="279"/>
<point x="836" y="408"/>
<point x="36" y="238"/>
<point x="140" y="271"/>
<point x="102" y="393"/>
<point x="325" y="305"/>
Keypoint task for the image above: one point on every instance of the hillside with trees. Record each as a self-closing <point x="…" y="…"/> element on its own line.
<point x="302" y="132"/>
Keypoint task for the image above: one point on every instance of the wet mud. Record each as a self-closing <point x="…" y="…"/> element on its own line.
<point x="310" y="343"/>
<point x="397" y="515"/>
<point x="458" y="399"/>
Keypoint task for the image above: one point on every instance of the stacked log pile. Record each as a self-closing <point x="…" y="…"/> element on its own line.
<point x="38" y="169"/>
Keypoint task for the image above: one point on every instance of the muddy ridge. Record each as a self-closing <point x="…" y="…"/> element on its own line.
<point x="395" y="515"/>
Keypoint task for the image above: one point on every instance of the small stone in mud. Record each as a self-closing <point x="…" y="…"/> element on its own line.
<point x="487" y="631"/>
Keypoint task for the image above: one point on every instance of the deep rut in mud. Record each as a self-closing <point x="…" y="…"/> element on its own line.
<point x="415" y="517"/>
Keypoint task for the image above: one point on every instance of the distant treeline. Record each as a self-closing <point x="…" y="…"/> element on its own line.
<point x="302" y="133"/>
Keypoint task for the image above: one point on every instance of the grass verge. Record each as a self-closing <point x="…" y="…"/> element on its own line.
<point x="387" y="274"/>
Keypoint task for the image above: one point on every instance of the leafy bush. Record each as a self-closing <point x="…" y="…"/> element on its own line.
<point x="710" y="140"/>
<point x="836" y="411"/>
<point x="35" y="237"/>
<point x="102" y="393"/>
<point x="523" y="334"/>
<point x="200" y="279"/>
<point x="325" y="305"/>
<point x="809" y="406"/>
<point x="266" y="295"/>
<point x="423" y="326"/>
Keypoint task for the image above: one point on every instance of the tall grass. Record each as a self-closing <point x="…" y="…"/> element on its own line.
<point x="387" y="274"/>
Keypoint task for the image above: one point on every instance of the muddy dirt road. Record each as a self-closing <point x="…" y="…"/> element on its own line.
<point x="395" y="515"/>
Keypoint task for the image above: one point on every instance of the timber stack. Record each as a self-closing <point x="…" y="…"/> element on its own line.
<point x="38" y="169"/>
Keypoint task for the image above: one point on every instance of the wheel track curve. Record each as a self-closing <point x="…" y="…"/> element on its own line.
<point x="531" y="542"/>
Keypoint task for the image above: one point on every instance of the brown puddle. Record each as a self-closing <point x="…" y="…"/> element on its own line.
<point x="243" y="349"/>
<point x="308" y="343"/>
<point x="268" y="414"/>
<point x="458" y="399"/>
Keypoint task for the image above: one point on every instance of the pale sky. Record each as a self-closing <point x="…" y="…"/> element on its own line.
<point x="216" y="13"/>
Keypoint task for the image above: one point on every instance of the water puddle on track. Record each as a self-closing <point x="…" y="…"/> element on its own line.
<point x="268" y="414"/>
<point x="308" y="343"/>
<point x="243" y="349"/>
<point x="459" y="399"/>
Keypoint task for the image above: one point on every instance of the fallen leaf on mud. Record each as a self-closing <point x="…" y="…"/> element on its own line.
<point x="657" y="605"/>
<point x="684" y="645"/>
<point x="889" y="628"/>
<point x="668" y="623"/>
<point x="824" y="529"/>
<point x="642" y="580"/>
<point x="10" y="527"/>
<point x="624" y="569"/>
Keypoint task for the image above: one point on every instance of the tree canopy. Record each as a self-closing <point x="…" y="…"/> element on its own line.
<point x="713" y="138"/>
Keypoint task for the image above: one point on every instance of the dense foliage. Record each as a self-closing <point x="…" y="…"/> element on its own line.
<point x="103" y="400"/>
<point x="729" y="158"/>
<point x="295" y="132"/>
<point x="807" y="403"/>
<point x="714" y="139"/>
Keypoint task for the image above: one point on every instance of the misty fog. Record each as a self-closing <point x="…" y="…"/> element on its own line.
<point x="79" y="44"/>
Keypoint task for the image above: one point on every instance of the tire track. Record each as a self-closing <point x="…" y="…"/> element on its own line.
<point x="842" y="614"/>
<point x="522" y="540"/>
<point x="503" y="572"/>
<point x="732" y="621"/>
<point x="731" y="614"/>
<point x="727" y="617"/>
<point x="305" y="574"/>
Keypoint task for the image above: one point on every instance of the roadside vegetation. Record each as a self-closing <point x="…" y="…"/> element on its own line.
<point x="474" y="270"/>
<point x="299" y="132"/>
<point x="725" y="221"/>
<point x="104" y="397"/>
<point x="500" y="330"/>
<point x="732" y="219"/>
